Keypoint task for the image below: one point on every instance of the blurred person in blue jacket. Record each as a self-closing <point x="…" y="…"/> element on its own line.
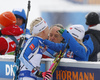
<point x="80" y="46"/>
<point x="32" y="52"/>
<point x="20" y="20"/>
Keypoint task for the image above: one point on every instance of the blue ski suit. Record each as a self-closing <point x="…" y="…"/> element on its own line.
<point x="31" y="57"/>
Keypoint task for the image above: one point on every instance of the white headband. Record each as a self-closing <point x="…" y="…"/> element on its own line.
<point x="39" y="27"/>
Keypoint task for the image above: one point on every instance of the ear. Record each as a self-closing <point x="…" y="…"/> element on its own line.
<point x="42" y="33"/>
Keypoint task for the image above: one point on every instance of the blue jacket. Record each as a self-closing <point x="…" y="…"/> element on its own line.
<point x="23" y="15"/>
<point x="75" y="50"/>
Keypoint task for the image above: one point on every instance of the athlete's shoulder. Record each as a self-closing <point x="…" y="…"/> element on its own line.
<point x="33" y="40"/>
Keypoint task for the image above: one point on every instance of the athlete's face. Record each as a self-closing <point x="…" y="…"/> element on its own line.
<point x="19" y="21"/>
<point x="54" y="35"/>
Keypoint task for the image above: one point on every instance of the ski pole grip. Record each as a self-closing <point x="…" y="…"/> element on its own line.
<point x="29" y="5"/>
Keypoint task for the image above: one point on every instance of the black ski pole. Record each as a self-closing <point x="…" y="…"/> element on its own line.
<point x="18" y="52"/>
<point x="29" y="6"/>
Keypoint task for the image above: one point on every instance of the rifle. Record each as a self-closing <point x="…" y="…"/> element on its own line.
<point x="57" y="59"/>
<point x="19" y="49"/>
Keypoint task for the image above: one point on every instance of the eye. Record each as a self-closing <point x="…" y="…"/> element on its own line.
<point x="56" y="36"/>
<point x="51" y="35"/>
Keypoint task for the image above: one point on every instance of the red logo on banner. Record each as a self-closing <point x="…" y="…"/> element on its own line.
<point x="32" y="46"/>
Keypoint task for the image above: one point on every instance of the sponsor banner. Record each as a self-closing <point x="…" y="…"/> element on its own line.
<point x="6" y="69"/>
<point x="76" y="73"/>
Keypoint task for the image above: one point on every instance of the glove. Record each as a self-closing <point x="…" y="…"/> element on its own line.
<point x="47" y="75"/>
<point x="61" y="31"/>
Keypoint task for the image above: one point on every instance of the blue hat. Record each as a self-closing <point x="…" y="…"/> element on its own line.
<point x="19" y="13"/>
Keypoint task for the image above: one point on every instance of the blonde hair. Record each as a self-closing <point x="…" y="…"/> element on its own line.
<point x="81" y="43"/>
<point x="33" y="23"/>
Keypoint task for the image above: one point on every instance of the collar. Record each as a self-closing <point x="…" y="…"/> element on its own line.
<point x="95" y="27"/>
<point x="39" y="38"/>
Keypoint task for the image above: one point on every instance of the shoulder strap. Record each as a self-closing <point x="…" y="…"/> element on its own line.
<point x="15" y="40"/>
